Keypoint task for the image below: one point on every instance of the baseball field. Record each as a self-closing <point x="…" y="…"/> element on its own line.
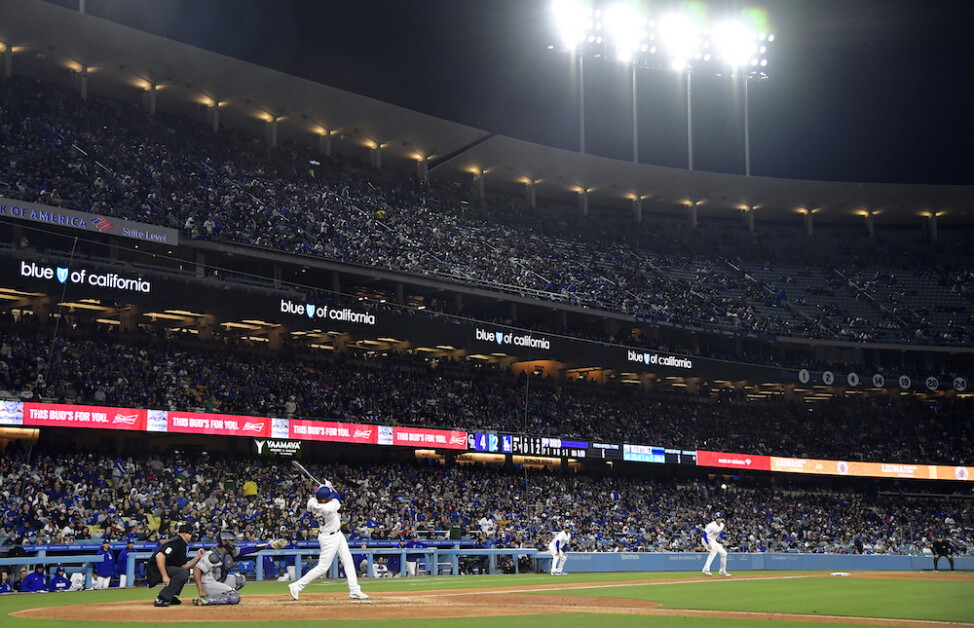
<point x="763" y="599"/>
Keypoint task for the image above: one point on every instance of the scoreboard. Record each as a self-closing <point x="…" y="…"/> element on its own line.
<point x="681" y="456"/>
<point x="544" y="446"/>
<point x="643" y="453"/>
<point x="605" y="451"/>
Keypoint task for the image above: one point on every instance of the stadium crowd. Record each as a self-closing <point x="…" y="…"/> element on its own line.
<point x="58" y="497"/>
<point x="110" y="158"/>
<point x="156" y="373"/>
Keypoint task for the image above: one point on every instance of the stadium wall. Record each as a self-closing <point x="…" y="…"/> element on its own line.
<point x="639" y="561"/>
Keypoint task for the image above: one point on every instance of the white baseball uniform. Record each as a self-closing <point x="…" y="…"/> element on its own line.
<point x="332" y="541"/>
<point x="712" y="535"/>
<point x="557" y="547"/>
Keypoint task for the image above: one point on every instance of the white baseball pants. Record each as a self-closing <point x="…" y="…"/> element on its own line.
<point x="716" y="548"/>
<point x="331" y="543"/>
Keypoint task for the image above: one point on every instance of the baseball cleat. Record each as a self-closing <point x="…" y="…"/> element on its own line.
<point x="357" y="596"/>
<point x="706" y="573"/>
<point x="160" y="603"/>
<point x="201" y="601"/>
<point x="176" y="601"/>
<point x="724" y="573"/>
<point x="293" y="591"/>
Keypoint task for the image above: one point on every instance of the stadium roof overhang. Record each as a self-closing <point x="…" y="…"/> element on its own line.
<point x="57" y="44"/>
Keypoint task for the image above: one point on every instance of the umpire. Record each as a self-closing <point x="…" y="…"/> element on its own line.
<point x="170" y="566"/>
<point x="943" y="547"/>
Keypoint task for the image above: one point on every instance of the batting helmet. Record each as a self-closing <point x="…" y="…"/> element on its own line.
<point x="323" y="492"/>
<point x="717" y="515"/>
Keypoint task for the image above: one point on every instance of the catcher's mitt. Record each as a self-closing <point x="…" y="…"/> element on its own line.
<point x="277" y="544"/>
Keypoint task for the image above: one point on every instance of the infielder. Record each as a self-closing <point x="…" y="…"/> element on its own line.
<point x="713" y="534"/>
<point x="324" y="506"/>
<point x="216" y="582"/>
<point x="557" y="548"/>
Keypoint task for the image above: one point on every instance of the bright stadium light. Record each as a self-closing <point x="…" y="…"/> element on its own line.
<point x="625" y="29"/>
<point x="573" y="21"/>
<point x="735" y="43"/>
<point x="680" y="39"/>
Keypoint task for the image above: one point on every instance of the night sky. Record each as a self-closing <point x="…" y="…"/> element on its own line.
<point x="862" y="90"/>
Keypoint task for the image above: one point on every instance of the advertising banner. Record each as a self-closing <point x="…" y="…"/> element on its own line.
<point x="870" y="469"/>
<point x="61" y="415"/>
<point x="419" y="437"/>
<point x="11" y="412"/>
<point x="35" y="212"/>
<point x="333" y="432"/>
<point x="733" y="461"/>
<point x="218" y="424"/>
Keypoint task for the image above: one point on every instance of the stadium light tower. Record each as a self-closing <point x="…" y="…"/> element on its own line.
<point x="743" y="50"/>
<point x="626" y="28"/>
<point x="680" y="38"/>
<point x="574" y="22"/>
<point x="684" y="41"/>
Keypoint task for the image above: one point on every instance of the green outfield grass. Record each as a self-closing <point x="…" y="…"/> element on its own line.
<point x="919" y="599"/>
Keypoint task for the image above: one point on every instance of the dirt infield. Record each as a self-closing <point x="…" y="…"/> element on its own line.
<point x="452" y="603"/>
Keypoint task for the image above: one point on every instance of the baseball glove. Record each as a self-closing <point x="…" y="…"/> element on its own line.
<point x="277" y="544"/>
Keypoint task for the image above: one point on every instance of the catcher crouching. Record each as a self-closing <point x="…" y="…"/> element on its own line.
<point x="218" y="584"/>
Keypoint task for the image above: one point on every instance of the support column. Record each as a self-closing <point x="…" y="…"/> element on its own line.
<point x="82" y="6"/>
<point x="336" y="282"/>
<point x="274" y="338"/>
<point x="214" y="114"/>
<point x="423" y="169"/>
<point x="692" y="221"/>
<point x="200" y="264"/>
<point x="277" y="275"/>
<point x="530" y="194"/>
<point x="149" y="99"/>
<point x="375" y="156"/>
<point x="583" y="202"/>
<point x="324" y="143"/>
<point x="809" y="228"/>
<point x="83" y="87"/>
<point x="128" y="319"/>
<point x="478" y="180"/>
<point x="400" y="294"/>
<point x="8" y="61"/>
<point x="204" y="328"/>
<point x="870" y="224"/>
<point x="271" y="133"/>
<point x="932" y="226"/>
<point x="637" y="209"/>
<point x="749" y="218"/>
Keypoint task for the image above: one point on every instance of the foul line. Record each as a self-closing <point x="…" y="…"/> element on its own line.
<point x="579" y="587"/>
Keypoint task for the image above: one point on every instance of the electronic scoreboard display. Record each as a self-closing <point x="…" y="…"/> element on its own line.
<point x="643" y="453"/>
<point x="605" y="451"/>
<point x="545" y="446"/>
<point x="681" y="456"/>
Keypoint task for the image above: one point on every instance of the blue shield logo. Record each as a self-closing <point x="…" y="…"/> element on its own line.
<point x="499" y="337"/>
<point x="310" y="310"/>
<point x="646" y="358"/>
<point x="62" y="274"/>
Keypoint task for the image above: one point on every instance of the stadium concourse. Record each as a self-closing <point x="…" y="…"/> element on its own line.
<point x="110" y="158"/>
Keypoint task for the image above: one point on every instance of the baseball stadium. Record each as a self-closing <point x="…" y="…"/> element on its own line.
<point x="280" y="348"/>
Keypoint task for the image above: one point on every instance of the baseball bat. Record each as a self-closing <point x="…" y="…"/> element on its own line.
<point x="300" y="467"/>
